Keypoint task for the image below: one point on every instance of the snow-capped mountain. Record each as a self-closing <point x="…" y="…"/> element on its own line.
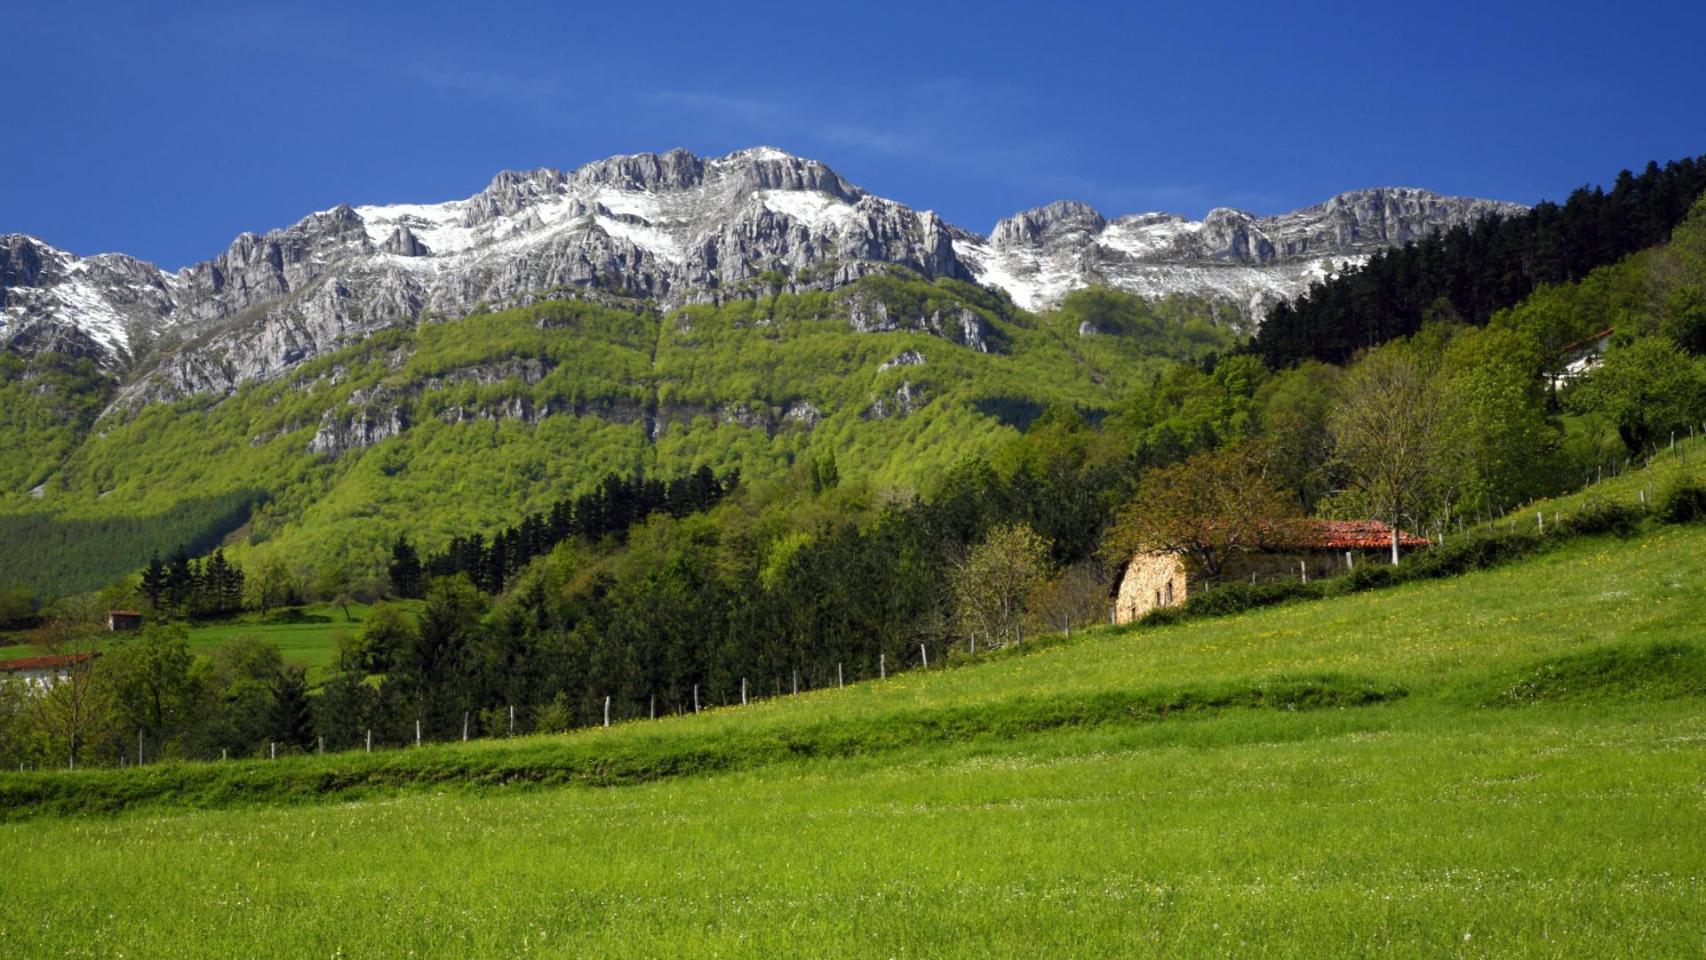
<point x="92" y="307"/>
<point x="1255" y="262"/>
<point x="673" y="227"/>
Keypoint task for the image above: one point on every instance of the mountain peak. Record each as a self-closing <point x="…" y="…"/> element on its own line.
<point x="1047" y="223"/>
<point x="672" y="227"/>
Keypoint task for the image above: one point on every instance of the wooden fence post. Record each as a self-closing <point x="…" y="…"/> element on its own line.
<point x="464" y="726"/>
<point x="695" y="698"/>
<point x="369" y="739"/>
<point x="512" y="719"/>
<point x="272" y="745"/>
<point x="882" y="666"/>
<point x="838" y="683"/>
<point x="796" y="676"/>
<point x="654" y="706"/>
<point x="924" y="655"/>
<point x="743" y="691"/>
<point x="607" y="711"/>
<point x="320" y="747"/>
<point x="139" y="746"/>
<point x="417" y="731"/>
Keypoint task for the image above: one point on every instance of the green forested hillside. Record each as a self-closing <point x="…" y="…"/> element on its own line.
<point x="470" y="422"/>
<point x="1474" y="272"/>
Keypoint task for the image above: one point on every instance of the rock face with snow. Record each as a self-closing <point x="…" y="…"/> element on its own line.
<point x="92" y="307"/>
<point x="1255" y="262"/>
<point x="671" y="227"/>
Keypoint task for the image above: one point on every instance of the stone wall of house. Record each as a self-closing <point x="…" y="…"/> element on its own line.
<point x="1151" y="580"/>
<point x="1154" y="580"/>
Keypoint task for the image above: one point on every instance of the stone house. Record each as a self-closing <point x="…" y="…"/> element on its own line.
<point x="1305" y="550"/>
<point x="119" y="621"/>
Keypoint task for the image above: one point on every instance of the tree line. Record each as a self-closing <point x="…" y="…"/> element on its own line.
<point x="617" y="504"/>
<point x="187" y="587"/>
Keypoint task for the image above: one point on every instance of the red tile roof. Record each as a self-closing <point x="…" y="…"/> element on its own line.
<point x="1570" y="348"/>
<point x="1342" y="535"/>
<point x="38" y="663"/>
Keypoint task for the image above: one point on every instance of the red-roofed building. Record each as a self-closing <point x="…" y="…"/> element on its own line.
<point x="1294" y="550"/>
<point x="1581" y="357"/>
<point x="45" y="670"/>
<point x="119" y="621"/>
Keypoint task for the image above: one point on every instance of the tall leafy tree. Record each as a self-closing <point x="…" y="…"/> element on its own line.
<point x="153" y="687"/>
<point x="1648" y="389"/>
<point x="996" y="582"/>
<point x="1498" y="446"/>
<point x="1214" y="506"/>
<point x="1386" y="430"/>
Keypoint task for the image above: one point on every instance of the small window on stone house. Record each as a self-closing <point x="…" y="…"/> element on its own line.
<point x="1169" y="593"/>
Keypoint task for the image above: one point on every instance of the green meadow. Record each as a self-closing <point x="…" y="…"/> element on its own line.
<point x="306" y="636"/>
<point x="1507" y="764"/>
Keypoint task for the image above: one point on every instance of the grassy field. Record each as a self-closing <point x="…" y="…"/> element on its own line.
<point x="307" y="636"/>
<point x="1508" y="764"/>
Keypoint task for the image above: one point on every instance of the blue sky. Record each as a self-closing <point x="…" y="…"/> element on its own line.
<point x="163" y="130"/>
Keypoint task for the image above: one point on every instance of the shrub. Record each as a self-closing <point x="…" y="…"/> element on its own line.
<point x="1655" y="671"/>
<point x="1163" y="616"/>
<point x="1475" y="552"/>
<point x="1601" y="516"/>
<point x="1370" y="576"/>
<point x="1237" y="597"/>
<point x="1683" y="501"/>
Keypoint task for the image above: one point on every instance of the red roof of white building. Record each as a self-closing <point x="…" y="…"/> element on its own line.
<point x="1343" y="535"/>
<point x="44" y="662"/>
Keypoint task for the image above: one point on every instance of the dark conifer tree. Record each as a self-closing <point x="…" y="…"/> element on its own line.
<point x="154" y="582"/>
<point x="292" y="717"/>
<point x="405" y="570"/>
<point x="231" y="595"/>
<point x="180" y="581"/>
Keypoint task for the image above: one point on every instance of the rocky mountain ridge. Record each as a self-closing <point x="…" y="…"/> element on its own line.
<point x="672" y="227"/>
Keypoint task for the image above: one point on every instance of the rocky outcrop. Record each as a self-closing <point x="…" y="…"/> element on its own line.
<point x="1061" y="222"/>
<point x="965" y="326"/>
<point x="906" y="358"/>
<point x="403" y="243"/>
<point x="340" y="433"/>
<point x="904" y="401"/>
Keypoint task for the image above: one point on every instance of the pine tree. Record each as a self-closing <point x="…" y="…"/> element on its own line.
<point x="231" y="595"/>
<point x="344" y="709"/>
<point x="154" y="582"/>
<point x="215" y="585"/>
<point x="292" y="717"/>
<point x="405" y="569"/>
<point x="180" y="581"/>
